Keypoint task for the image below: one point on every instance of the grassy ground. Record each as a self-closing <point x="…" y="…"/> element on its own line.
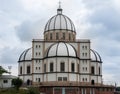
<point x="21" y="91"/>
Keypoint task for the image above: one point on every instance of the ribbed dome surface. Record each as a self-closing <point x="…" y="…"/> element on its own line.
<point x="59" y="22"/>
<point x="61" y="49"/>
<point x="26" y="55"/>
<point x="95" y="56"/>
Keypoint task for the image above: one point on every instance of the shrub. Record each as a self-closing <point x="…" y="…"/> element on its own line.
<point x="17" y="83"/>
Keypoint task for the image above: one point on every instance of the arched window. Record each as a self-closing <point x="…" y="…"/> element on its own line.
<point x="38" y="79"/>
<point x="73" y="37"/>
<point x="69" y="36"/>
<point x="28" y="82"/>
<point x="92" y="82"/>
<point x="28" y="69"/>
<point x="63" y="36"/>
<point x="99" y="71"/>
<point x="62" y="66"/>
<point x="51" y="67"/>
<point x="92" y="70"/>
<point x="50" y="36"/>
<point x="83" y="79"/>
<point x="72" y="67"/>
<point x="21" y="70"/>
<point x="57" y="36"/>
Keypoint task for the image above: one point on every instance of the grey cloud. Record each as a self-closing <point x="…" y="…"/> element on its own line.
<point x="108" y="16"/>
<point x="9" y="55"/>
<point x="96" y="3"/>
<point x="104" y="20"/>
<point x="29" y="30"/>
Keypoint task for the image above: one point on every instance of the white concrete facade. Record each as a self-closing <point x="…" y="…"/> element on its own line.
<point x="6" y="81"/>
<point x="60" y="56"/>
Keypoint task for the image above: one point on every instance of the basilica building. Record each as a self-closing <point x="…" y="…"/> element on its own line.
<point x="62" y="64"/>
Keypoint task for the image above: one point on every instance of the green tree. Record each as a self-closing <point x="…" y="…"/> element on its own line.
<point x="17" y="82"/>
<point x="2" y="70"/>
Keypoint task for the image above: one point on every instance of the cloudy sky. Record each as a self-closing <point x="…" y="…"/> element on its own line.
<point x="97" y="20"/>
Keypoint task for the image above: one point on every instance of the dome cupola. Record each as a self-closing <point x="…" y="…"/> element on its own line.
<point x="61" y="49"/>
<point x="59" y="27"/>
<point x="95" y="57"/>
<point x="59" y="22"/>
<point x="26" y="55"/>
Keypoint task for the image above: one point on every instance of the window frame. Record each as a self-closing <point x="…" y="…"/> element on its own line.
<point x="62" y="66"/>
<point x="72" y="67"/>
<point x="28" y="69"/>
<point x="51" y="67"/>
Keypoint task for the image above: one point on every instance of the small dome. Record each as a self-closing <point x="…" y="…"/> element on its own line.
<point x="59" y="22"/>
<point x="61" y="49"/>
<point x="26" y="55"/>
<point x="95" y="56"/>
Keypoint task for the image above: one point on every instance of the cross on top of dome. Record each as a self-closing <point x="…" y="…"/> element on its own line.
<point x="59" y="4"/>
<point x="59" y="10"/>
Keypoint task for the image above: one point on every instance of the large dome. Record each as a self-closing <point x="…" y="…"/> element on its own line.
<point x="61" y="49"/>
<point x="59" y="22"/>
<point x="26" y="55"/>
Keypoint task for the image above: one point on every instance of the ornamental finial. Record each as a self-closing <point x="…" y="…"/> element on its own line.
<point x="59" y="10"/>
<point x="59" y="4"/>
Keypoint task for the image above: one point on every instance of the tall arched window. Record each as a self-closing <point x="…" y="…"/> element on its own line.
<point x="62" y="66"/>
<point x="63" y="36"/>
<point x="51" y="67"/>
<point x="92" y="70"/>
<point x="50" y="36"/>
<point x="57" y="37"/>
<point x="72" y="67"/>
<point x="28" y="69"/>
<point x="92" y="82"/>
<point x="99" y="71"/>
<point x="69" y="36"/>
<point x="21" y="70"/>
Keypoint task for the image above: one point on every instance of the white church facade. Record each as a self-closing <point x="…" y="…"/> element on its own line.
<point x="62" y="64"/>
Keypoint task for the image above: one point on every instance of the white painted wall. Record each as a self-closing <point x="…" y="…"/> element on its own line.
<point x="72" y="77"/>
<point x="37" y="66"/>
<point x="37" y="48"/>
<point x="51" y="77"/>
<point x="36" y="76"/>
<point x="5" y="85"/>
<point x="94" y="78"/>
<point x="85" y="77"/>
<point x="84" y="50"/>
